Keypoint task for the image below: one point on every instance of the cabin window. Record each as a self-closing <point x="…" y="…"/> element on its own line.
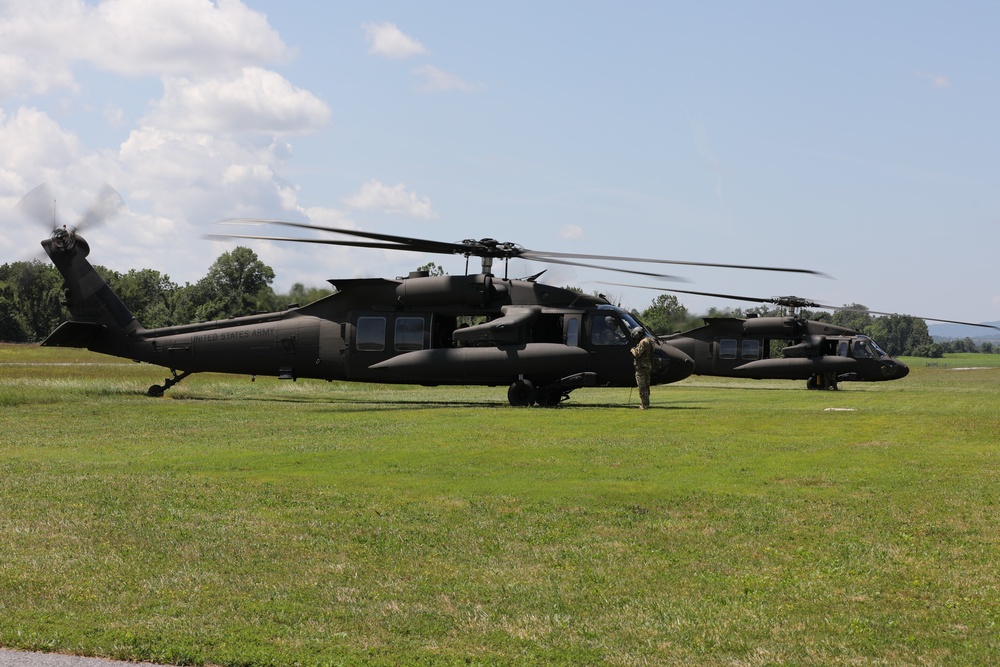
<point x="842" y="348"/>
<point x="751" y="349"/>
<point x="371" y="334"/>
<point x="573" y="331"/>
<point x="727" y="348"/>
<point x="409" y="334"/>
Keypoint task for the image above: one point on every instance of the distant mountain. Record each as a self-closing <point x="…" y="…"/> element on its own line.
<point x="945" y="331"/>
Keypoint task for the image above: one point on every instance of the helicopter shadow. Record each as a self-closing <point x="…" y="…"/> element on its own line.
<point x="355" y="404"/>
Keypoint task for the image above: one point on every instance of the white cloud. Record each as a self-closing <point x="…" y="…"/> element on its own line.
<point x="395" y="199"/>
<point x="18" y="76"/>
<point x="937" y="80"/>
<point x="130" y="37"/>
<point x="254" y="101"/>
<point x="33" y="146"/>
<point x="388" y="41"/>
<point x="572" y="233"/>
<point x="437" y="80"/>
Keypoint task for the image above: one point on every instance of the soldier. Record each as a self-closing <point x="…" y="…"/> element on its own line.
<point x="643" y="353"/>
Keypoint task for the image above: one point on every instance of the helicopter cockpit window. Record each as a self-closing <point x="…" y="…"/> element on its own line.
<point x="632" y="322"/>
<point x="866" y="348"/>
<point x="370" y="335"/>
<point x="605" y="330"/>
<point x="879" y="352"/>
<point x="409" y="334"/>
<point x="862" y="350"/>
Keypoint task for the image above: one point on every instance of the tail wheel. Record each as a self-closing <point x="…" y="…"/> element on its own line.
<point x="549" y="397"/>
<point x="521" y="393"/>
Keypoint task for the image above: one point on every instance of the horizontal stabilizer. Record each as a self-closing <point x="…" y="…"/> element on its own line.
<point x="73" y="334"/>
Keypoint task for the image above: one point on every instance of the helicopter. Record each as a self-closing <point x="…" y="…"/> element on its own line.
<point x="821" y="353"/>
<point x="541" y="341"/>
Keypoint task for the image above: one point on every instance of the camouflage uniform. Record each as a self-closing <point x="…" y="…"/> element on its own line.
<point x="643" y="353"/>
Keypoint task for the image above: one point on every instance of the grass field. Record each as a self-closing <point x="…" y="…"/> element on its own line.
<point x="267" y="523"/>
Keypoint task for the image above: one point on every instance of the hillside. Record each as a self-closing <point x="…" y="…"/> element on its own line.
<point x="947" y="331"/>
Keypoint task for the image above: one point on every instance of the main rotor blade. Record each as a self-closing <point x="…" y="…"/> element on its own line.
<point x="931" y="319"/>
<point x="402" y="242"/>
<point x="803" y="303"/>
<point x="351" y="244"/>
<point x="661" y="276"/>
<point x="682" y="291"/>
<point x="541" y="255"/>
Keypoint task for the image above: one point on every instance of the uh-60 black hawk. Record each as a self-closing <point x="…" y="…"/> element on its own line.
<point x="475" y="329"/>
<point x="786" y="348"/>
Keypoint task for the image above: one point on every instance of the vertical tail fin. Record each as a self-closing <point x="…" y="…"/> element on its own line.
<point x="96" y="310"/>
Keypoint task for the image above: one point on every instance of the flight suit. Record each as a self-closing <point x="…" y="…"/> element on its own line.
<point x="643" y="353"/>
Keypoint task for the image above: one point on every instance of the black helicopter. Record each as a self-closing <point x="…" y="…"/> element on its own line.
<point x="541" y="341"/>
<point x="821" y="353"/>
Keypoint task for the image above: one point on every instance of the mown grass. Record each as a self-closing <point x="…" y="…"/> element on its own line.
<point x="267" y="523"/>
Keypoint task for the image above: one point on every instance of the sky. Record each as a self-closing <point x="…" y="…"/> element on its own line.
<point x="857" y="139"/>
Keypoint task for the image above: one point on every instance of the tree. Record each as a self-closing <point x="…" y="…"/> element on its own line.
<point x="899" y="334"/>
<point x="432" y="269"/>
<point x="665" y="314"/>
<point x="857" y="318"/>
<point x="301" y="295"/>
<point x="149" y="294"/>
<point x="31" y="297"/>
<point x="932" y="351"/>
<point x="234" y="286"/>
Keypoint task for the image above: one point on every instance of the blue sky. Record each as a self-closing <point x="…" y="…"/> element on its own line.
<point x="858" y="139"/>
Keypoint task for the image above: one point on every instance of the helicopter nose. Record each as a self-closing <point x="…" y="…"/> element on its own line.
<point x="893" y="369"/>
<point x="679" y="365"/>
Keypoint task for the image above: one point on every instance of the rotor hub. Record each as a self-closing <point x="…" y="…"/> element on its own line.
<point x="492" y="248"/>
<point x="63" y="239"/>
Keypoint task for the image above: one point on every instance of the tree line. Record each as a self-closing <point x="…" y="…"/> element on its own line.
<point x="237" y="283"/>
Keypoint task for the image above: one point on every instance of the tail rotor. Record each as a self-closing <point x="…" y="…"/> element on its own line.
<point x="40" y="206"/>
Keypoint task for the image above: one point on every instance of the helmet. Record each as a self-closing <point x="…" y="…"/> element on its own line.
<point x="638" y="334"/>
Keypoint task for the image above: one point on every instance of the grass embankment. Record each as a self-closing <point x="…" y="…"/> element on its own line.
<point x="737" y="522"/>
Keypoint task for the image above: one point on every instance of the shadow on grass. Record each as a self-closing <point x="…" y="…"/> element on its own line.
<point x="373" y="404"/>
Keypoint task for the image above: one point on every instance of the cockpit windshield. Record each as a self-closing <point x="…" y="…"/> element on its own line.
<point x="865" y="348"/>
<point x="879" y="352"/>
<point x="631" y="322"/>
<point x="611" y="326"/>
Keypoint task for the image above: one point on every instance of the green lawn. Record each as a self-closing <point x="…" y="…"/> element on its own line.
<point x="268" y="523"/>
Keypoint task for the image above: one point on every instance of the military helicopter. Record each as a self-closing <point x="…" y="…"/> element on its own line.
<point x="821" y="353"/>
<point x="543" y="342"/>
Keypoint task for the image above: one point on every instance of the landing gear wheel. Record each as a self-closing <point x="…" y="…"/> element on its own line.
<point x="521" y="393"/>
<point x="822" y="381"/>
<point x="156" y="391"/>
